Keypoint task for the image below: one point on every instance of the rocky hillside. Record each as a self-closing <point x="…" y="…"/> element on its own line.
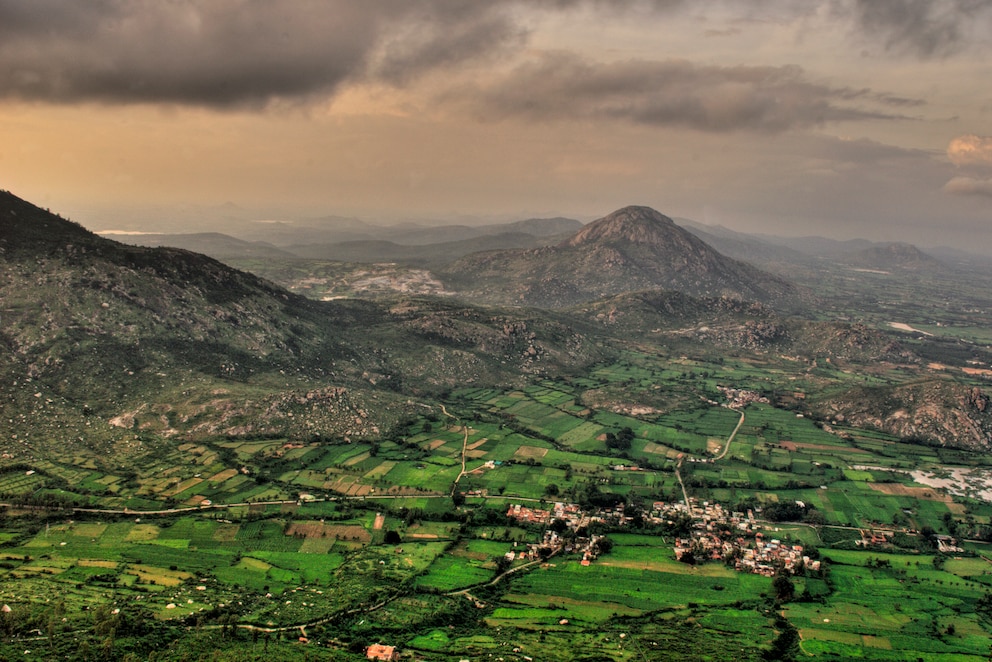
<point x="634" y="248"/>
<point x="104" y="343"/>
<point x="734" y="325"/>
<point x="933" y="411"/>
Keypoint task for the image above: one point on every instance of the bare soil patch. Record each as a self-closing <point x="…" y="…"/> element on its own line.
<point x="221" y="476"/>
<point x="658" y="449"/>
<point x="530" y="452"/>
<point x="334" y="531"/>
<point x="793" y="446"/>
<point x="897" y="489"/>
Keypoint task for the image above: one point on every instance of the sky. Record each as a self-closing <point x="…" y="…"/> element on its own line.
<point x="839" y="118"/>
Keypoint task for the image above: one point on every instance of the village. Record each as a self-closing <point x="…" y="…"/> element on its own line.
<point x="733" y="537"/>
<point x="715" y="534"/>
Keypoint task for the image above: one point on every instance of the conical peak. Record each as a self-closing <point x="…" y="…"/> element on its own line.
<point x="633" y="224"/>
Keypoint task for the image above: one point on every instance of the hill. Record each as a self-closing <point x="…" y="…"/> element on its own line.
<point x="215" y="244"/>
<point x="895" y="255"/>
<point x="769" y="256"/>
<point x="634" y="248"/>
<point x="106" y="344"/>
<point x="538" y="227"/>
<point x="437" y="254"/>
<point x="337" y="229"/>
<point x="935" y="411"/>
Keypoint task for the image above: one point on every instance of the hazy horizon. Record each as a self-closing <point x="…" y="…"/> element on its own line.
<point x="836" y="118"/>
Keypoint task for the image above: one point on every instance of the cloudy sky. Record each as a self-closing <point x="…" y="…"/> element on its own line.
<point x="842" y="118"/>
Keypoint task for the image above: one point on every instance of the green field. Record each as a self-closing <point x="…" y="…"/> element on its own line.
<point x="358" y="540"/>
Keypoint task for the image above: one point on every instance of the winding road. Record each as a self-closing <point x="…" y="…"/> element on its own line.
<point x="723" y="454"/>
<point x="732" y="435"/>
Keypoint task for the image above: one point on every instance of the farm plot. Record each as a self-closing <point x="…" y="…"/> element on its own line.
<point x="582" y="434"/>
<point x="878" y="607"/>
<point x="448" y="573"/>
<point x="548" y="395"/>
<point x="310" y="567"/>
<point x="533" y="612"/>
<point x="335" y="531"/>
<point x="637" y="589"/>
<point x="20" y="482"/>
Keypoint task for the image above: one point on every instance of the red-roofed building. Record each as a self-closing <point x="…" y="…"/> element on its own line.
<point x="380" y="652"/>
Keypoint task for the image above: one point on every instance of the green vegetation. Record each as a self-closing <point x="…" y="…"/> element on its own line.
<point x="208" y="467"/>
<point x="360" y="541"/>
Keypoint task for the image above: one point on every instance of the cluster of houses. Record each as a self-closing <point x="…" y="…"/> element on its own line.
<point x="570" y="513"/>
<point x="731" y="536"/>
<point x="715" y="534"/>
<point x="874" y="539"/>
<point x="756" y="556"/>
<point x="574" y="519"/>
<point x="740" y="398"/>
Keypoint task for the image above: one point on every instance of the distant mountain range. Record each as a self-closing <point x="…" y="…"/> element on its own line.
<point x="109" y="346"/>
<point x="215" y="244"/>
<point x="345" y="239"/>
<point x="775" y="252"/>
<point x="557" y="262"/>
<point x="351" y="240"/>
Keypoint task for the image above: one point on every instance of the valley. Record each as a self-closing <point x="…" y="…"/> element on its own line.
<point x="204" y="462"/>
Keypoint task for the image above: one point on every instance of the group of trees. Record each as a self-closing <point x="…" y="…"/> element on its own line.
<point x="621" y="440"/>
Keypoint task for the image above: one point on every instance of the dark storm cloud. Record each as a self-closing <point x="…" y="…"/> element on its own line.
<point x="922" y="27"/>
<point x="677" y="93"/>
<point x="237" y="53"/>
<point x="445" y="41"/>
<point x="250" y="53"/>
<point x="225" y="53"/>
<point x="220" y="53"/>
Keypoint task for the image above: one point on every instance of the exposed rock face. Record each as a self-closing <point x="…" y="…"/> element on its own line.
<point x="978" y="400"/>
<point x="936" y="411"/>
<point x="638" y="225"/>
<point x="634" y="248"/>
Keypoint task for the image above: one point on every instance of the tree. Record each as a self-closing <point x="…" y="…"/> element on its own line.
<point x="621" y="440"/>
<point x="551" y="489"/>
<point x="392" y="538"/>
<point x="502" y="564"/>
<point x="784" y="588"/>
